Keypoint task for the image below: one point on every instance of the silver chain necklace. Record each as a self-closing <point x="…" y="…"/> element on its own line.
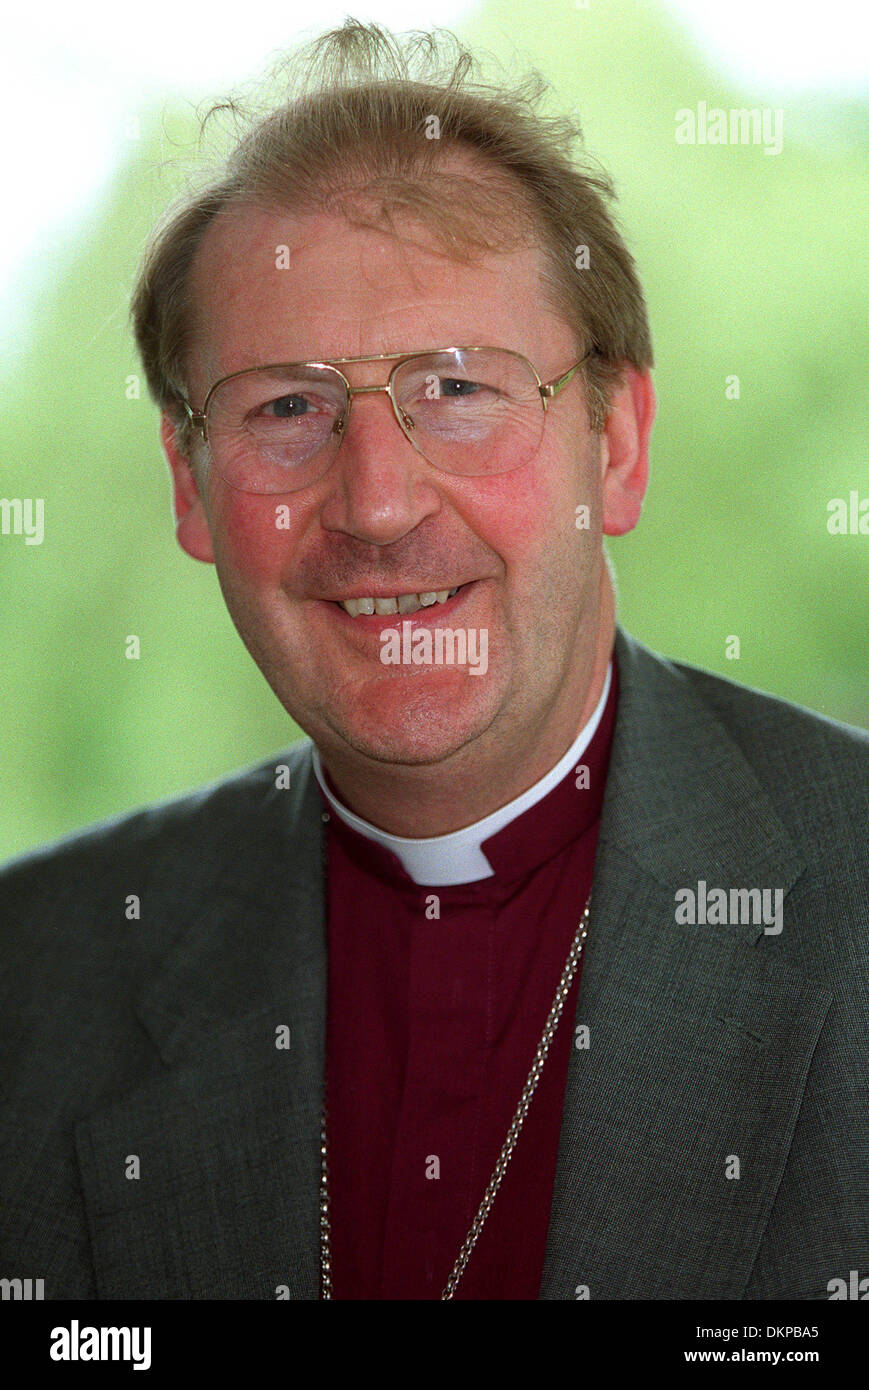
<point x="509" y="1145"/>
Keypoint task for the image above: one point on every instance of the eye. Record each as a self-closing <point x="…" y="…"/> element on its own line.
<point x="447" y="384"/>
<point x="286" y="407"/>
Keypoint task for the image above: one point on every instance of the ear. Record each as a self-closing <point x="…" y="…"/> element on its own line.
<point x="624" y="456"/>
<point x="191" y="522"/>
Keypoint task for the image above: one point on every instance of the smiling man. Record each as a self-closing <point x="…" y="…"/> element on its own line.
<point x="492" y="522"/>
<point x="439" y="1003"/>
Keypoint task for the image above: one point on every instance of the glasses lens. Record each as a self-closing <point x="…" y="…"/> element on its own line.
<point x="472" y="411"/>
<point x="270" y="430"/>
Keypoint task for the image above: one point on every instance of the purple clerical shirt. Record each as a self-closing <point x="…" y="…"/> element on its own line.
<point x="437" y="1000"/>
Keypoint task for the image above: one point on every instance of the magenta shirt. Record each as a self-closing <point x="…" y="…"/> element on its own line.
<point x="432" y="1027"/>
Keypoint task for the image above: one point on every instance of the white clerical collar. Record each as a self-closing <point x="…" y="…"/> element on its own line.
<point x="447" y="860"/>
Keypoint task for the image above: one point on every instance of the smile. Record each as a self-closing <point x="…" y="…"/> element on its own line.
<point x="401" y="603"/>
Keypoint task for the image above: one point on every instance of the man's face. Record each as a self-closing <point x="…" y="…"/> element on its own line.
<point x="384" y="521"/>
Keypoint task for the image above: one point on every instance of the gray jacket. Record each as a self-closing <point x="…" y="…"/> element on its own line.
<point x="713" y="1140"/>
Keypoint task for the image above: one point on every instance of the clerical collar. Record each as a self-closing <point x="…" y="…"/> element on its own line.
<point x="456" y="858"/>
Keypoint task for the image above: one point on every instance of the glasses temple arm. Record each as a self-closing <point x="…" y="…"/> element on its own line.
<point x="194" y="417"/>
<point x="552" y="388"/>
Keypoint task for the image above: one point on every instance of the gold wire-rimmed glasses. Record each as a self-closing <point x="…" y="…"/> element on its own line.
<point x="471" y="411"/>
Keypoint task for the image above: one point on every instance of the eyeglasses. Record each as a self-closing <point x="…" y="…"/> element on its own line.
<point x="471" y="411"/>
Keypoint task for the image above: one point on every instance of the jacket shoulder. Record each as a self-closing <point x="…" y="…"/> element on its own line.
<point x="63" y="895"/>
<point x="815" y="771"/>
<point x="783" y="736"/>
<point x="176" y="827"/>
<point x="85" y="920"/>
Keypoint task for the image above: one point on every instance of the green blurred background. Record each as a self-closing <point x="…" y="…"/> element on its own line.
<point x="752" y="266"/>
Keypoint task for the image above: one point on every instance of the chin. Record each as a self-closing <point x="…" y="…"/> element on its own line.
<point x="413" y="722"/>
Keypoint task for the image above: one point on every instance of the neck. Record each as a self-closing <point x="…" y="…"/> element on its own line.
<point x="434" y="800"/>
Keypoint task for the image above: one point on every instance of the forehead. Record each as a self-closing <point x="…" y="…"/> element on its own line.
<point x="271" y="285"/>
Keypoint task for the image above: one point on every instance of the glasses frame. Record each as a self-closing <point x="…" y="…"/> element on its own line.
<point x="548" y="389"/>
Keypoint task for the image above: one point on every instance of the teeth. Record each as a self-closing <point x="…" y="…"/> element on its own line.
<point x="403" y="603"/>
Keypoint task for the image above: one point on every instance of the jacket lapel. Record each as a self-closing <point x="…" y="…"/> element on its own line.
<point x="208" y="1216"/>
<point x="700" y="1037"/>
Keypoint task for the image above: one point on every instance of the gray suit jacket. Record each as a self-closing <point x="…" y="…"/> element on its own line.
<point x="156" y="1037"/>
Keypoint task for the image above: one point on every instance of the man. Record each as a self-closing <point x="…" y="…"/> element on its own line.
<point x="533" y="970"/>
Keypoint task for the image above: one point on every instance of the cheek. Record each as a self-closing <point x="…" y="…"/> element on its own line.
<point x="252" y="537"/>
<point x="528" y="517"/>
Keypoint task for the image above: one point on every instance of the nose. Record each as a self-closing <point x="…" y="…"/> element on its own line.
<point x="379" y="486"/>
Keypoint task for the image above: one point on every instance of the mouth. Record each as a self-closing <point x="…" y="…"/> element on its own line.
<point x="375" y="612"/>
